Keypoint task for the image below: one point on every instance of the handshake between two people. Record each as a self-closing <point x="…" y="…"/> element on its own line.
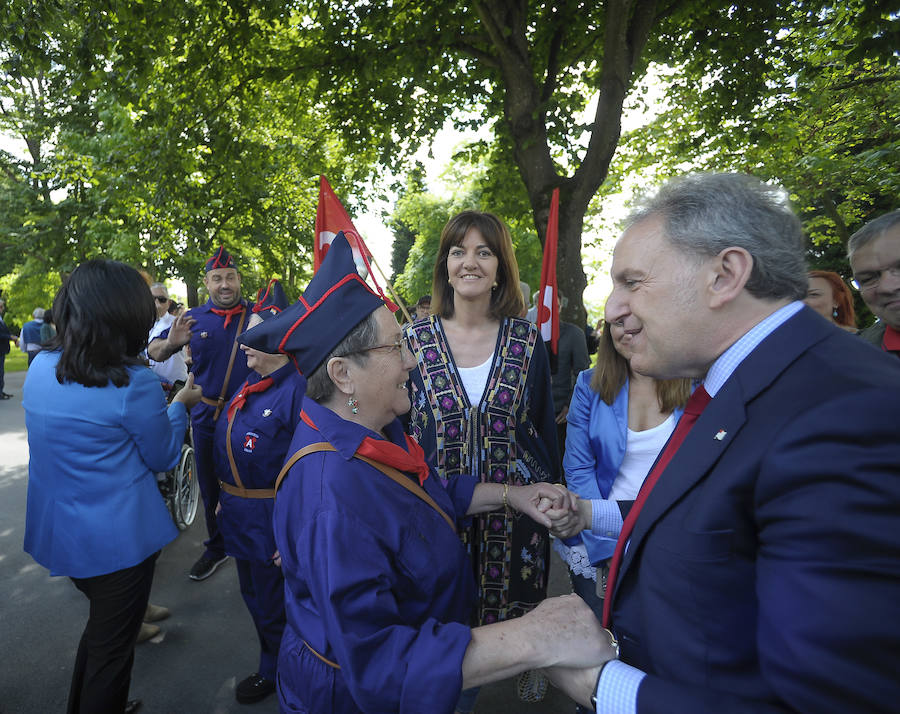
<point x="554" y="506"/>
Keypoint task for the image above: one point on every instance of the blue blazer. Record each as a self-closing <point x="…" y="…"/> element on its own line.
<point x="763" y="574"/>
<point x="596" y="439"/>
<point x="93" y="503"/>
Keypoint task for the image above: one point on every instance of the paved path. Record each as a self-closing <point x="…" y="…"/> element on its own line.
<point x="190" y="668"/>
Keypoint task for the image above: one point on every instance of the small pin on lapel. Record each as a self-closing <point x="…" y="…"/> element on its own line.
<point x="204" y="335"/>
<point x="720" y="434"/>
<point x="266" y="412"/>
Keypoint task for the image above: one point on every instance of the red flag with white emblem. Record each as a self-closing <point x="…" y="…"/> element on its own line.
<point x="331" y="219"/>
<point x="548" y="304"/>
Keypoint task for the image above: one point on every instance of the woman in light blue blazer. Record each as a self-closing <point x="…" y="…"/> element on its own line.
<point x="618" y="423"/>
<point x="94" y="511"/>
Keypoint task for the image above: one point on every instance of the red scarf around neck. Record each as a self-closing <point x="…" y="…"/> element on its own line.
<point x="410" y="460"/>
<point x="245" y="391"/>
<point x="229" y="313"/>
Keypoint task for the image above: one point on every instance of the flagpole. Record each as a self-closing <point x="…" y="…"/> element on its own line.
<point x="390" y="287"/>
<point x="340" y="221"/>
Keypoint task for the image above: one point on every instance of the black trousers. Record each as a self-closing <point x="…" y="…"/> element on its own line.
<point x="106" y="652"/>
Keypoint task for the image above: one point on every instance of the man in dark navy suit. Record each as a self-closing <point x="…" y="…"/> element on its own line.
<point x="759" y="568"/>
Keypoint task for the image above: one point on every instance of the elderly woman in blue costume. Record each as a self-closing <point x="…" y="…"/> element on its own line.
<point x="379" y="594"/>
<point x="251" y="445"/>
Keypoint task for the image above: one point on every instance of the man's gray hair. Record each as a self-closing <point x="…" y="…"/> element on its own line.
<point x="703" y="214"/>
<point x="160" y="285"/>
<point x="872" y="230"/>
<point x="319" y="385"/>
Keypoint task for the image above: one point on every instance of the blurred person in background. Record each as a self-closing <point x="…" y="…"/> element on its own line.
<point x="30" y="337"/>
<point x="174" y="368"/>
<point x="829" y="296"/>
<point x="5" y="338"/>
<point x="874" y="253"/>
<point x="48" y="329"/>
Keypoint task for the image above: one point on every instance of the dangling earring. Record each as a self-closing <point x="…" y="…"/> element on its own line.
<point x="494" y="286"/>
<point x="834" y="312"/>
<point x="353" y="404"/>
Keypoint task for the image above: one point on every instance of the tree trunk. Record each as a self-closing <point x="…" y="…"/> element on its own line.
<point x="628" y="24"/>
<point x="191" y="286"/>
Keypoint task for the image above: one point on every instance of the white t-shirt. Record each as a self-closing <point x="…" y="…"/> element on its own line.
<point x="173" y="368"/>
<point x="475" y="379"/>
<point x="641" y="450"/>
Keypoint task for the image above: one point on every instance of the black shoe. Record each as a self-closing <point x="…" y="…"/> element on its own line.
<point x="205" y="567"/>
<point x="253" y="689"/>
<point x="132" y="705"/>
<point x="4" y="395"/>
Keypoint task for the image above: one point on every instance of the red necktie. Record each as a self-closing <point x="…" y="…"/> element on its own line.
<point x="229" y="313"/>
<point x="696" y="404"/>
<point x="245" y="391"/>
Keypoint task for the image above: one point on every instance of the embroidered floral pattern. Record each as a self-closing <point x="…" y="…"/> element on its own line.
<point x="508" y="552"/>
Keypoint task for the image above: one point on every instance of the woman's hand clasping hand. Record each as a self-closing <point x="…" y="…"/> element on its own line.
<point x="539" y="500"/>
<point x="568" y="522"/>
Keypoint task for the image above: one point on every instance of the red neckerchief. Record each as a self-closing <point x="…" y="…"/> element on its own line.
<point x="891" y="340"/>
<point x="245" y="391"/>
<point x="409" y="460"/>
<point x="229" y="313"/>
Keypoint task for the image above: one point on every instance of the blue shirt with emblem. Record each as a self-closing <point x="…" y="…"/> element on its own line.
<point x="261" y="432"/>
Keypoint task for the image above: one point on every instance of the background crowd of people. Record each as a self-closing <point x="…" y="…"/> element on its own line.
<point x="720" y="484"/>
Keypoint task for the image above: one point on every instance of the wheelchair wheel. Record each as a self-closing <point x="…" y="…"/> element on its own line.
<point x="186" y="491"/>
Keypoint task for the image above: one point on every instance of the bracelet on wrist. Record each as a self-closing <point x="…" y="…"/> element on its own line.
<point x="506" y="497"/>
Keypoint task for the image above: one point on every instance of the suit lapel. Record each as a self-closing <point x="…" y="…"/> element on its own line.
<point x="723" y="418"/>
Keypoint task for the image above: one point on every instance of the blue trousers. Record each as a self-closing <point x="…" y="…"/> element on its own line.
<point x="262" y="586"/>
<point x="204" y="440"/>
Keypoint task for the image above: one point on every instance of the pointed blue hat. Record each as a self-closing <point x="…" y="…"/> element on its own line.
<point x="336" y="300"/>
<point x="271" y="301"/>
<point x="220" y="259"/>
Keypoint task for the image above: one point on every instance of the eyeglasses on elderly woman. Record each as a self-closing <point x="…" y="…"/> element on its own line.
<point x="398" y="346"/>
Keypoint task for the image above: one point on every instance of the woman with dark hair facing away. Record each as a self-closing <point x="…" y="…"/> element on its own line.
<point x="482" y="405"/>
<point x="619" y="421"/>
<point x="829" y="296"/>
<point x="94" y="511"/>
<point x="378" y="590"/>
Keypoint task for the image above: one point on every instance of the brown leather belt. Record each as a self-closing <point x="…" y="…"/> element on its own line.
<point x="241" y="492"/>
